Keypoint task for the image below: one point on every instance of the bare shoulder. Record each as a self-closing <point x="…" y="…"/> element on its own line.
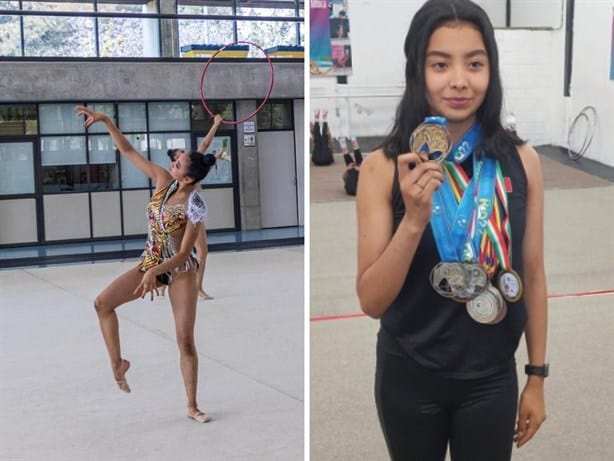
<point x="378" y="166"/>
<point x="531" y="162"/>
<point x="376" y="175"/>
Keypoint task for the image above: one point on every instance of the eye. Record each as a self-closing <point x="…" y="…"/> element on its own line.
<point x="439" y="65"/>
<point x="476" y="64"/>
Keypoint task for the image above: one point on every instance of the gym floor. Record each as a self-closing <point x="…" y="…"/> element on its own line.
<point x="579" y="253"/>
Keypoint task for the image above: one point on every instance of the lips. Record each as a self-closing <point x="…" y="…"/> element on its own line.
<point x="458" y="103"/>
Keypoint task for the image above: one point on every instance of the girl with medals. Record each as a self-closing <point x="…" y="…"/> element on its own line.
<point x="175" y="215"/>
<point x="450" y="252"/>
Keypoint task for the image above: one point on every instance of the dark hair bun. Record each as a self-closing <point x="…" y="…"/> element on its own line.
<point x="209" y="160"/>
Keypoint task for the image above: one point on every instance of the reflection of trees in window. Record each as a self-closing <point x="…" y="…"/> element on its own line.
<point x="137" y="37"/>
<point x="202" y="121"/>
<point x="18" y="119"/>
<point x="275" y="116"/>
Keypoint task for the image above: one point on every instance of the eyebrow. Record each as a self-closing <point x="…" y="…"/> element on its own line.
<point x="443" y="54"/>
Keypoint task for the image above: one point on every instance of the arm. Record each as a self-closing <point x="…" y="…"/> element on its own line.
<point x="531" y="410"/>
<point x="217" y="120"/>
<point x="384" y="258"/>
<point x="148" y="283"/>
<point x="154" y="172"/>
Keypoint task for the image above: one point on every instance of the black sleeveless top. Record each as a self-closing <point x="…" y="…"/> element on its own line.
<point x="437" y="332"/>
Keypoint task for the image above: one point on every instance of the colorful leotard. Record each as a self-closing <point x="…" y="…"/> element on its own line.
<point x="166" y="225"/>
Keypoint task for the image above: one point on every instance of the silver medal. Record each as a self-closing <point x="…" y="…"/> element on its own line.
<point x="477" y="281"/>
<point x="449" y="279"/>
<point x="488" y="307"/>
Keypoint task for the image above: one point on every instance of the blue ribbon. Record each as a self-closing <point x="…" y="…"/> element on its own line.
<point x="451" y="221"/>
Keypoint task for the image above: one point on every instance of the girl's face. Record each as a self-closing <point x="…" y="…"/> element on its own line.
<point x="179" y="167"/>
<point x="456" y="73"/>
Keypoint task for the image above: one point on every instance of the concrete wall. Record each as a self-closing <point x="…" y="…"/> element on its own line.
<point x="73" y="80"/>
<point x="531" y="63"/>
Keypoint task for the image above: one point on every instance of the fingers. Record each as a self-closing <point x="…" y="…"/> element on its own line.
<point x="526" y="428"/>
<point x="89" y="115"/>
<point x="418" y="177"/>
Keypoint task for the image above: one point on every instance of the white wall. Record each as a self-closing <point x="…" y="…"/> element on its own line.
<point x="590" y="84"/>
<point x="531" y="63"/>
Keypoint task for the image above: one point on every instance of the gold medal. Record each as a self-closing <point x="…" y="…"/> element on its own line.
<point x="431" y="139"/>
<point x="510" y="284"/>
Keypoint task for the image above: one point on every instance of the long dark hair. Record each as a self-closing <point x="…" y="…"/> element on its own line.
<point x="413" y="106"/>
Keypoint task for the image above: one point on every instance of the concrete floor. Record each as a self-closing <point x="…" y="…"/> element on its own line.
<point x="58" y="399"/>
<point x="579" y="251"/>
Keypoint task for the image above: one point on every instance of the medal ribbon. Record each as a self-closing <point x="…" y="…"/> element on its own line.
<point x="452" y="213"/>
<point x="493" y="239"/>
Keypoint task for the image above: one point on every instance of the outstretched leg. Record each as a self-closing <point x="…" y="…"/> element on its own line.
<point x="118" y="292"/>
<point x="182" y="291"/>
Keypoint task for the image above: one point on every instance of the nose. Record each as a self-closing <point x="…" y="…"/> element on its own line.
<point x="458" y="79"/>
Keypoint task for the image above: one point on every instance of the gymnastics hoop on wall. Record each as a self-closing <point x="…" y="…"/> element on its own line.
<point x="264" y="101"/>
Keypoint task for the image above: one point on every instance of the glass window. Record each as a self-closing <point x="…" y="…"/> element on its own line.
<point x="60" y="118"/>
<point x="204" y="32"/>
<point x="160" y="143"/>
<point x="58" y="6"/>
<point x="128" y="37"/>
<point x="18" y="119"/>
<point x="134" y="6"/>
<point x="103" y="177"/>
<point x="202" y="121"/>
<point x="64" y="166"/>
<point x="9" y="5"/>
<point x="276" y="116"/>
<point x="132" y="177"/>
<point x="215" y="7"/>
<point x="61" y="36"/>
<point x="10" y="39"/>
<point x="132" y="117"/>
<point x="63" y="150"/>
<point x="267" y="34"/>
<point x="16" y="168"/>
<point x="165" y="116"/>
<point x="101" y="149"/>
<point x="221" y="173"/>
<point x="65" y="178"/>
<point x="106" y="108"/>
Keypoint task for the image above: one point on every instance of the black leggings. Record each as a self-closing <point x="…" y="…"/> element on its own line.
<point x="421" y="412"/>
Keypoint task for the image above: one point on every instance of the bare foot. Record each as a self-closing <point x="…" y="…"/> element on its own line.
<point x="203" y="294"/>
<point x="120" y="376"/>
<point x="198" y="416"/>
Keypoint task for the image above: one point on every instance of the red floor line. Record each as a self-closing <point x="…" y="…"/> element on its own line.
<point x="327" y="318"/>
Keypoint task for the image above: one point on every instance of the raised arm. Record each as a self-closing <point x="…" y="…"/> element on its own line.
<point x="217" y="120"/>
<point x="156" y="173"/>
<point x="384" y="256"/>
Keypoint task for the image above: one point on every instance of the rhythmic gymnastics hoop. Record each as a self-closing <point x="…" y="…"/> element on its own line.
<point x="588" y="116"/>
<point x="264" y="101"/>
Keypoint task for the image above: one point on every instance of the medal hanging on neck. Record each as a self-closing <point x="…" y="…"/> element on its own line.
<point x="508" y="280"/>
<point x="459" y="276"/>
